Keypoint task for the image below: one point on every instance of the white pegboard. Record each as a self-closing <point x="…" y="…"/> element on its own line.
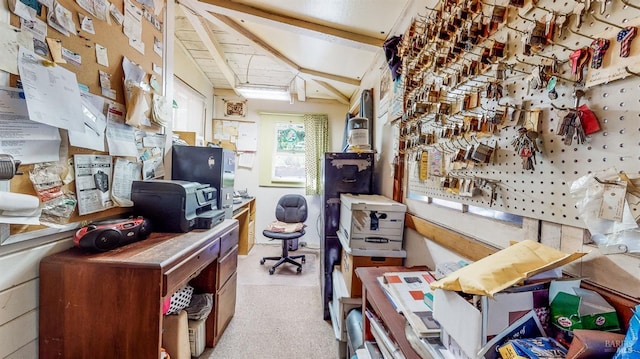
<point x="543" y="193"/>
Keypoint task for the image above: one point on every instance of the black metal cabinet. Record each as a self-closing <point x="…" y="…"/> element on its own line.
<point x="342" y="172"/>
<point x="209" y="165"/>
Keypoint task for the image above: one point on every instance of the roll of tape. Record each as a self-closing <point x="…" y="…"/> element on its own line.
<point x="8" y="166"/>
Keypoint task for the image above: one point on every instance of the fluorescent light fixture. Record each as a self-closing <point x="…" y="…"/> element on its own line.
<point x="263" y="92"/>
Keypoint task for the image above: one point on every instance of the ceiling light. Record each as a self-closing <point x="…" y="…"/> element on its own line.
<point x="264" y="92"/>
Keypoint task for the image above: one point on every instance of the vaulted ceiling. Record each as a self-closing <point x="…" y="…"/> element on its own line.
<point x="319" y="49"/>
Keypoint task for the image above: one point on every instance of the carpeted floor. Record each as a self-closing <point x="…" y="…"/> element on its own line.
<point x="277" y="316"/>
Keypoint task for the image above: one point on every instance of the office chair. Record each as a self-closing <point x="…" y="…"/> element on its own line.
<point x="291" y="209"/>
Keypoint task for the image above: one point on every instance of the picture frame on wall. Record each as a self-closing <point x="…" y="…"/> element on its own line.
<point x="234" y="108"/>
<point x="385" y="93"/>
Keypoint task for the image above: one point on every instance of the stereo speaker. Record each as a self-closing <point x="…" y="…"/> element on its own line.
<point x="107" y="235"/>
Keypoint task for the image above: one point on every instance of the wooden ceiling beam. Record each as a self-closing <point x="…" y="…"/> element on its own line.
<point x="309" y="75"/>
<point x="288" y="23"/>
<point x="301" y="89"/>
<point x="231" y="25"/>
<point x="211" y="44"/>
<point x="333" y="91"/>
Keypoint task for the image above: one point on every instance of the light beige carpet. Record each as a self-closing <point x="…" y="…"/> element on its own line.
<point x="251" y="272"/>
<point x="277" y="316"/>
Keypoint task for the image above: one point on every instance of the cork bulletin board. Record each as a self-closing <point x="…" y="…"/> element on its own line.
<point x="88" y="55"/>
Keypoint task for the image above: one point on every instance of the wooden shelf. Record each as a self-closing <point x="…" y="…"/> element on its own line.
<point x="245" y="213"/>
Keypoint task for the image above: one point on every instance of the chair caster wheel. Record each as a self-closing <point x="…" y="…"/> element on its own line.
<point x="299" y="270"/>
<point x="262" y="261"/>
<point x="303" y="260"/>
<point x="271" y="271"/>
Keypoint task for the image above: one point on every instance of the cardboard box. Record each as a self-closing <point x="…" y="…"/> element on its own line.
<point x="471" y="327"/>
<point x="349" y="263"/>
<point x="573" y="307"/>
<point x="371" y="221"/>
<point x="342" y="303"/>
<point x="175" y="335"/>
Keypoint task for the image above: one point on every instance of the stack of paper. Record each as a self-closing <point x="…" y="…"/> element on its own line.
<point x="412" y="294"/>
<point x="387" y="346"/>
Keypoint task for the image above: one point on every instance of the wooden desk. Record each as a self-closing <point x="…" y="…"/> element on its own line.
<point x="109" y="305"/>
<point x="245" y="213"/>
<point x="374" y="298"/>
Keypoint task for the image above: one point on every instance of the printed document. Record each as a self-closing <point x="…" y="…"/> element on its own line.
<point x="52" y="92"/>
<point x="25" y="140"/>
<point x="92" y="134"/>
<point x="124" y="173"/>
<point x="93" y="183"/>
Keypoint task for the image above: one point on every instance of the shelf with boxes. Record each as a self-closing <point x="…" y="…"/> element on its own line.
<point x="371" y="235"/>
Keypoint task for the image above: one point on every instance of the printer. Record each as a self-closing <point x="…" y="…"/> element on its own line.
<point x="176" y="206"/>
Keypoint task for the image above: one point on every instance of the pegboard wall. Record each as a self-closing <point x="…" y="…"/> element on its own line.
<point x="470" y="78"/>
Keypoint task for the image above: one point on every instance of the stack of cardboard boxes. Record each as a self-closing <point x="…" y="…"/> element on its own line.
<point x="371" y="233"/>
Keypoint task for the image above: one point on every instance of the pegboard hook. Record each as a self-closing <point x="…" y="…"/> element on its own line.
<point x="432" y="9"/>
<point x="553" y="43"/>
<point x="507" y="105"/>
<point x="543" y="8"/>
<point x="567" y="80"/>
<point x="514" y="29"/>
<point x="631" y="72"/>
<point x="524" y="62"/>
<point x="631" y="5"/>
<point x="473" y="53"/>
<point x="606" y="182"/>
<point x="525" y="19"/>
<point x="583" y="35"/>
<point x="606" y="22"/>
<point x="562" y="108"/>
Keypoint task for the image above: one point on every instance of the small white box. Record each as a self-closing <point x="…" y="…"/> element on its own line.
<point x="372" y="221"/>
<point x="478" y="326"/>
<point x="197" y="336"/>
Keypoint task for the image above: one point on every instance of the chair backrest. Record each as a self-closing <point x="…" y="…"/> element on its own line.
<point x="291" y="208"/>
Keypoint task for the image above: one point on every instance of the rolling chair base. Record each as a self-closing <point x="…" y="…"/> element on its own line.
<point x="285" y="258"/>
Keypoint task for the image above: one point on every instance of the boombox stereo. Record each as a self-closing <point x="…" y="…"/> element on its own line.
<point x="107" y="235"/>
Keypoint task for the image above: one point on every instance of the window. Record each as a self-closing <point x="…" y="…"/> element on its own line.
<point x="281" y="151"/>
<point x="478" y="211"/>
<point x="189" y="108"/>
<point x="288" y="153"/>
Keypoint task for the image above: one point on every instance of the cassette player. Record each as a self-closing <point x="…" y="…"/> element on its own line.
<point x="107" y="235"/>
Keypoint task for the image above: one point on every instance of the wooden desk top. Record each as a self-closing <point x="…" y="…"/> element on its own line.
<point x="374" y="294"/>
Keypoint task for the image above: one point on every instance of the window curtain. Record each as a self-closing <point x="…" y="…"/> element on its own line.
<point x="316" y="129"/>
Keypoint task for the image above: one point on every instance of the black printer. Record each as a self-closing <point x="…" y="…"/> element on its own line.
<point x="176" y="206"/>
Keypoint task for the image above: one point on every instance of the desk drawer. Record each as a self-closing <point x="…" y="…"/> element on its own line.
<point x="227" y="266"/>
<point x="190" y="267"/>
<point x="229" y="240"/>
<point x="225" y="305"/>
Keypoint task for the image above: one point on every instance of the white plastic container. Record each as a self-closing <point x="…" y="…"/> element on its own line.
<point x="197" y="336"/>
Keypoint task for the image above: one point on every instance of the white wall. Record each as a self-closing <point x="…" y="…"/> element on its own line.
<point x="267" y="197"/>
<point x="186" y="69"/>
